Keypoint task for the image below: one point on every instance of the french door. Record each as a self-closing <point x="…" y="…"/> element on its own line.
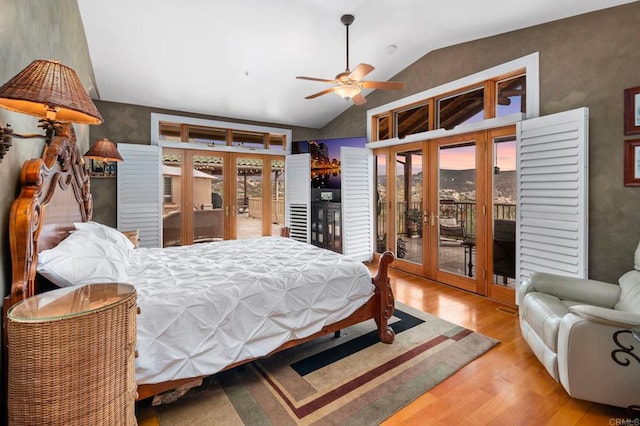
<point x="256" y="194"/>
<point x="212" y="195"/>
<point x="439" y="201"/>
<point x="456" y="224"/>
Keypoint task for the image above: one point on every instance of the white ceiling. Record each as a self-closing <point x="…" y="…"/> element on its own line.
<point x="239" y="58"/>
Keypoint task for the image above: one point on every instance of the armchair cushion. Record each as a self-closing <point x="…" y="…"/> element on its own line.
<point x="449" y="222"/>
<point x="629" y="292"/>
<point x="543" y="314"/>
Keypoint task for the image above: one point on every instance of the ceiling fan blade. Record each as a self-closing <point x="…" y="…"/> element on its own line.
<point x="387" y="85"/>
<point x="324" y="92"/>
<point x="324" y="80"/>
<point x="358" y="99"/>
<point x="360" y="71"/>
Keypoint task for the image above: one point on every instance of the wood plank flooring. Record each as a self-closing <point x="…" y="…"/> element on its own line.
<point x="506" y="386"/>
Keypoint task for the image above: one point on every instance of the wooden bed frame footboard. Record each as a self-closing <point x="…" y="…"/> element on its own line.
<point x="55" y="194"/>
<point x="380" y="308"/>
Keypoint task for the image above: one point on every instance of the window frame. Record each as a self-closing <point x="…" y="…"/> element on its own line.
<point x="526" y="65"/>
<point x="230" y="127"/>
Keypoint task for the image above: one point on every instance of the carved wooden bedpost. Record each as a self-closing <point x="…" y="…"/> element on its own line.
<point x="384" y="295"/>
<point x="61" y="166"/>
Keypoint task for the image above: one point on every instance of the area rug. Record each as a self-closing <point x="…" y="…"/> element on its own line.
<point x="351" y="380"/>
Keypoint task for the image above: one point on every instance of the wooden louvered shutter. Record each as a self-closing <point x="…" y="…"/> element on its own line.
<point x="357" y="202"/>
<point x="298" y="196"/>
<point x="139" y="192"/>
<point x="553" y="195"/>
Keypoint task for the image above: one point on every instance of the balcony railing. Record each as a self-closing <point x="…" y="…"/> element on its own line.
<point x="463" y="211"/>
<point x="254" y="208"/>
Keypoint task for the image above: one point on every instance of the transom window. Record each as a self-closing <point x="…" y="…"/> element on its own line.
<point x="509" y="90"/>
<point x="225" y="135"/>
<point x="467" y="105"/>
<point x="512" y="96"/>
<point x="208" y="135"/>
<point x="412" y="120"/>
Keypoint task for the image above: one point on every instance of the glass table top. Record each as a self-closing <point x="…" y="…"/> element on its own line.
<point x="69" y="301"/>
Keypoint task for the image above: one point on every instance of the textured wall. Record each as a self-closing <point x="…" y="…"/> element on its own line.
<point x="586" y="60"/>
<point x="132" y="123"/>
<point x="29" y="30"/>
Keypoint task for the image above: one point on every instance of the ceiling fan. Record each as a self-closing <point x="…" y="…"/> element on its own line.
<point x="349" y="84"/>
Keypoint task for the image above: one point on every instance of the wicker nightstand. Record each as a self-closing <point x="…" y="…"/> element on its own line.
<point x="71" y="357"/>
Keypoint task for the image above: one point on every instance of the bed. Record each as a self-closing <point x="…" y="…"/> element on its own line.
<point x="228" y="278"/>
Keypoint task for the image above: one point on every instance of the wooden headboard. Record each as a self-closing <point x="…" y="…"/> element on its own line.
<point x="54" y="193"/>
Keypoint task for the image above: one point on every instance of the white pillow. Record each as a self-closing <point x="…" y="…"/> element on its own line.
<point x="104" y="231"/>
<point x="83" y="258"/>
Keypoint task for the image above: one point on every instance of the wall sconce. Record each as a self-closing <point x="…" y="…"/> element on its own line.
<point x="51" y="91"/>
<point x="106" y="151"/>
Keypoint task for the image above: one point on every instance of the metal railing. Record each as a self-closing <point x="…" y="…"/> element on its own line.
<point x="464" y="212"/>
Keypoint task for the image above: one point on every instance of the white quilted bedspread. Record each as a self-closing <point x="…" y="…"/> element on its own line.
<point x="209" y="305"/>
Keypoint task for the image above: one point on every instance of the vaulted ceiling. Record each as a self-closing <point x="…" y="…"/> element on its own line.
<point x="239" y="59"/>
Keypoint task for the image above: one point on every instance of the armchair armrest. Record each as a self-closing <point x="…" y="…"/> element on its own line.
<point x="526" y="286"/>
<point x="586" y="291"/>
<point x="611" y="317"/>
<point x="588" y="338"/>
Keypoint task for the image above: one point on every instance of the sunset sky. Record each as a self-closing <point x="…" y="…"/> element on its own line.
<point x="463" y="158"/>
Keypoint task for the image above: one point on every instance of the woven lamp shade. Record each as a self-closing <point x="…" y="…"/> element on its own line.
<point x="104" y="150"/>
<point x="45" y="86"/>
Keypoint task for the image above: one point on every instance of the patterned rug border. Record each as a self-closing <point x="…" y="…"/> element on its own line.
<point x="258" y="397"/>
<point x="321" y="401"/>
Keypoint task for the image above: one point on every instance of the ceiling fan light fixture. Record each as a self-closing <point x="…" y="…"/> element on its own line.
<point x="350" y="83"/>
<point x="347" y="91"/>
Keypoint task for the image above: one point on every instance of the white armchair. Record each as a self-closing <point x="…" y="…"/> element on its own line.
<point x="579" y="329"/>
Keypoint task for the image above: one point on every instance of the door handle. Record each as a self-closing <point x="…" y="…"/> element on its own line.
<point x="434" y="217"/>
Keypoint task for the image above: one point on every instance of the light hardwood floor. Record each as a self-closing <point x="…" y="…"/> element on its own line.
<point x="505" y="386"/>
